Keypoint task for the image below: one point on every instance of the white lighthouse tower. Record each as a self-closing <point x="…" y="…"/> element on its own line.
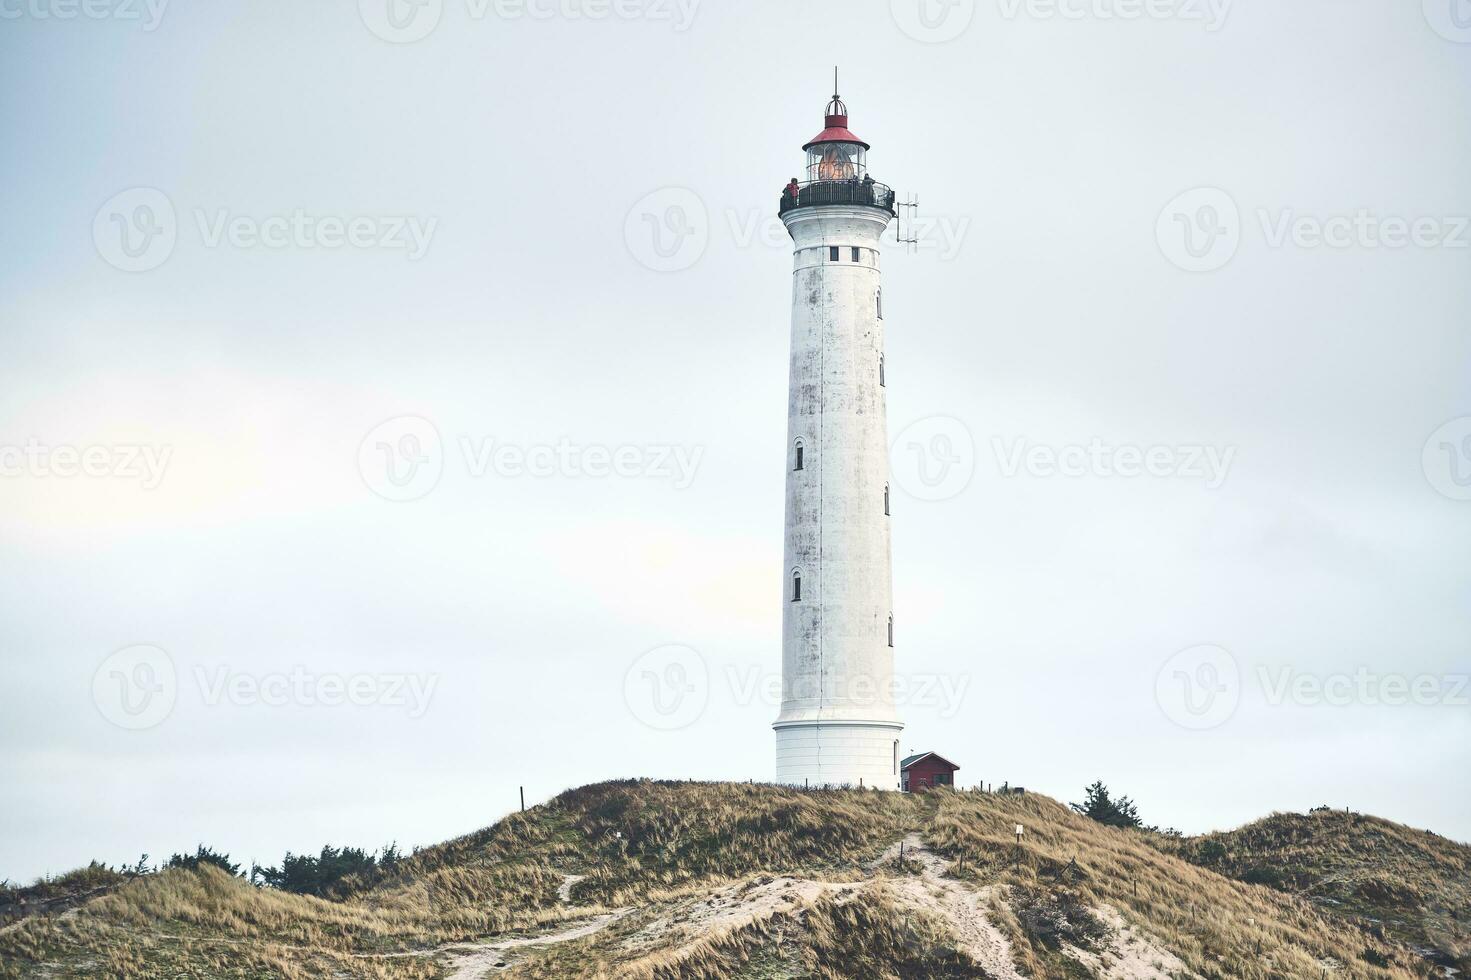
<point x="837" y="724"/>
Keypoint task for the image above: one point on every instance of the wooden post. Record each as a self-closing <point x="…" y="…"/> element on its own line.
<point x="523" y="799"/>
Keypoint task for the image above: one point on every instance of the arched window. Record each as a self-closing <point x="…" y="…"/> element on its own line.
<point x="797" y="456"/>
<point x="878" y="302"/>
<point x="797" y="585"/>
<point x="891" y="629"/>
<point x="886" y="500"/>
<point x="882" y="381"/>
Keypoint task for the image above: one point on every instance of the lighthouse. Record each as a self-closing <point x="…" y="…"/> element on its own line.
<point x="838" y="724"/>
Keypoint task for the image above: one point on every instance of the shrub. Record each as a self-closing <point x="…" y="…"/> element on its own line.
<point x="1209" y="852"/>
<point x="332" y="873"/>
<point x="203" y="855"/>
<point x="1373" y="957"/>
<point x="1056" y="918"/>
<point x="1099" y="805"/>
<point x="1270" y="877"/>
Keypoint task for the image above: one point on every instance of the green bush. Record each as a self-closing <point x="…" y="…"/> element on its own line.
<point x="203" y="855"/>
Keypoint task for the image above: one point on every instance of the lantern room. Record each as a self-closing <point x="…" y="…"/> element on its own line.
<point x="835" y="153"/>
<point x="837" y="168"/>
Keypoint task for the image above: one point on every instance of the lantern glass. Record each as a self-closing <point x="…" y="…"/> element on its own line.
<point x="837" y="161"/>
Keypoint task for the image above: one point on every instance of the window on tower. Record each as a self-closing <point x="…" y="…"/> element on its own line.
<point x="891" y="629"/>
<point x="834" y="254"/>
<point x="797" y="464"/>
<point x="855" y="253"/>
<point x="797" y="586"/>
<point x="878" y="303"/>
<point x="886" y="500"/>
<point x="881" y="371"/>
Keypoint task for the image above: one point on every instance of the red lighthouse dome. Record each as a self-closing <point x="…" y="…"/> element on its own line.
<point x="835" y="126"/>
<point x="835" y="153"/>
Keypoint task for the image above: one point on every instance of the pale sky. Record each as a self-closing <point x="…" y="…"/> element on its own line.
<point x="254" y="253"/>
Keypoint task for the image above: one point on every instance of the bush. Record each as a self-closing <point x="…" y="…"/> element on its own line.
<point x="1270" y="877"/>
<point x="330" y="874"/>
<point x="1209" y="852"/>
<point x="1060" y="917"/>
<point x="1099" y="805"/>
<point x="203" y="855"/>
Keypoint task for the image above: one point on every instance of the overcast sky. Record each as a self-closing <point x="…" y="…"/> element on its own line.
<point x="392" y="404"/>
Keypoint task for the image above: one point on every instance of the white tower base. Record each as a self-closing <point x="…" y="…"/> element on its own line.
<point x="809" y="753"/>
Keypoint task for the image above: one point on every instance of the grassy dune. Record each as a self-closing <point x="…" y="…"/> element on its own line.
<point x="1395" y="881"/>
<point x="658" y="852"/>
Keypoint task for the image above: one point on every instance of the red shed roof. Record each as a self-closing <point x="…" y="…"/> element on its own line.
<point x="926" y="755"/>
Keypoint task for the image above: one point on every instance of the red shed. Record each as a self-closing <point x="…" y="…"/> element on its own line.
<point x="927" y="769"/>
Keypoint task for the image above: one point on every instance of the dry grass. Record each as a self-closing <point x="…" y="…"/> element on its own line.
<point x="1408" y="884"/>
<point x="1219" y="927"/>
<point x="59" y="893"/>
<point x="661" y="847"/>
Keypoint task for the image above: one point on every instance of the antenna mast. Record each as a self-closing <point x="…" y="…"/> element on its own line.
<point x="906" y="230"/>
